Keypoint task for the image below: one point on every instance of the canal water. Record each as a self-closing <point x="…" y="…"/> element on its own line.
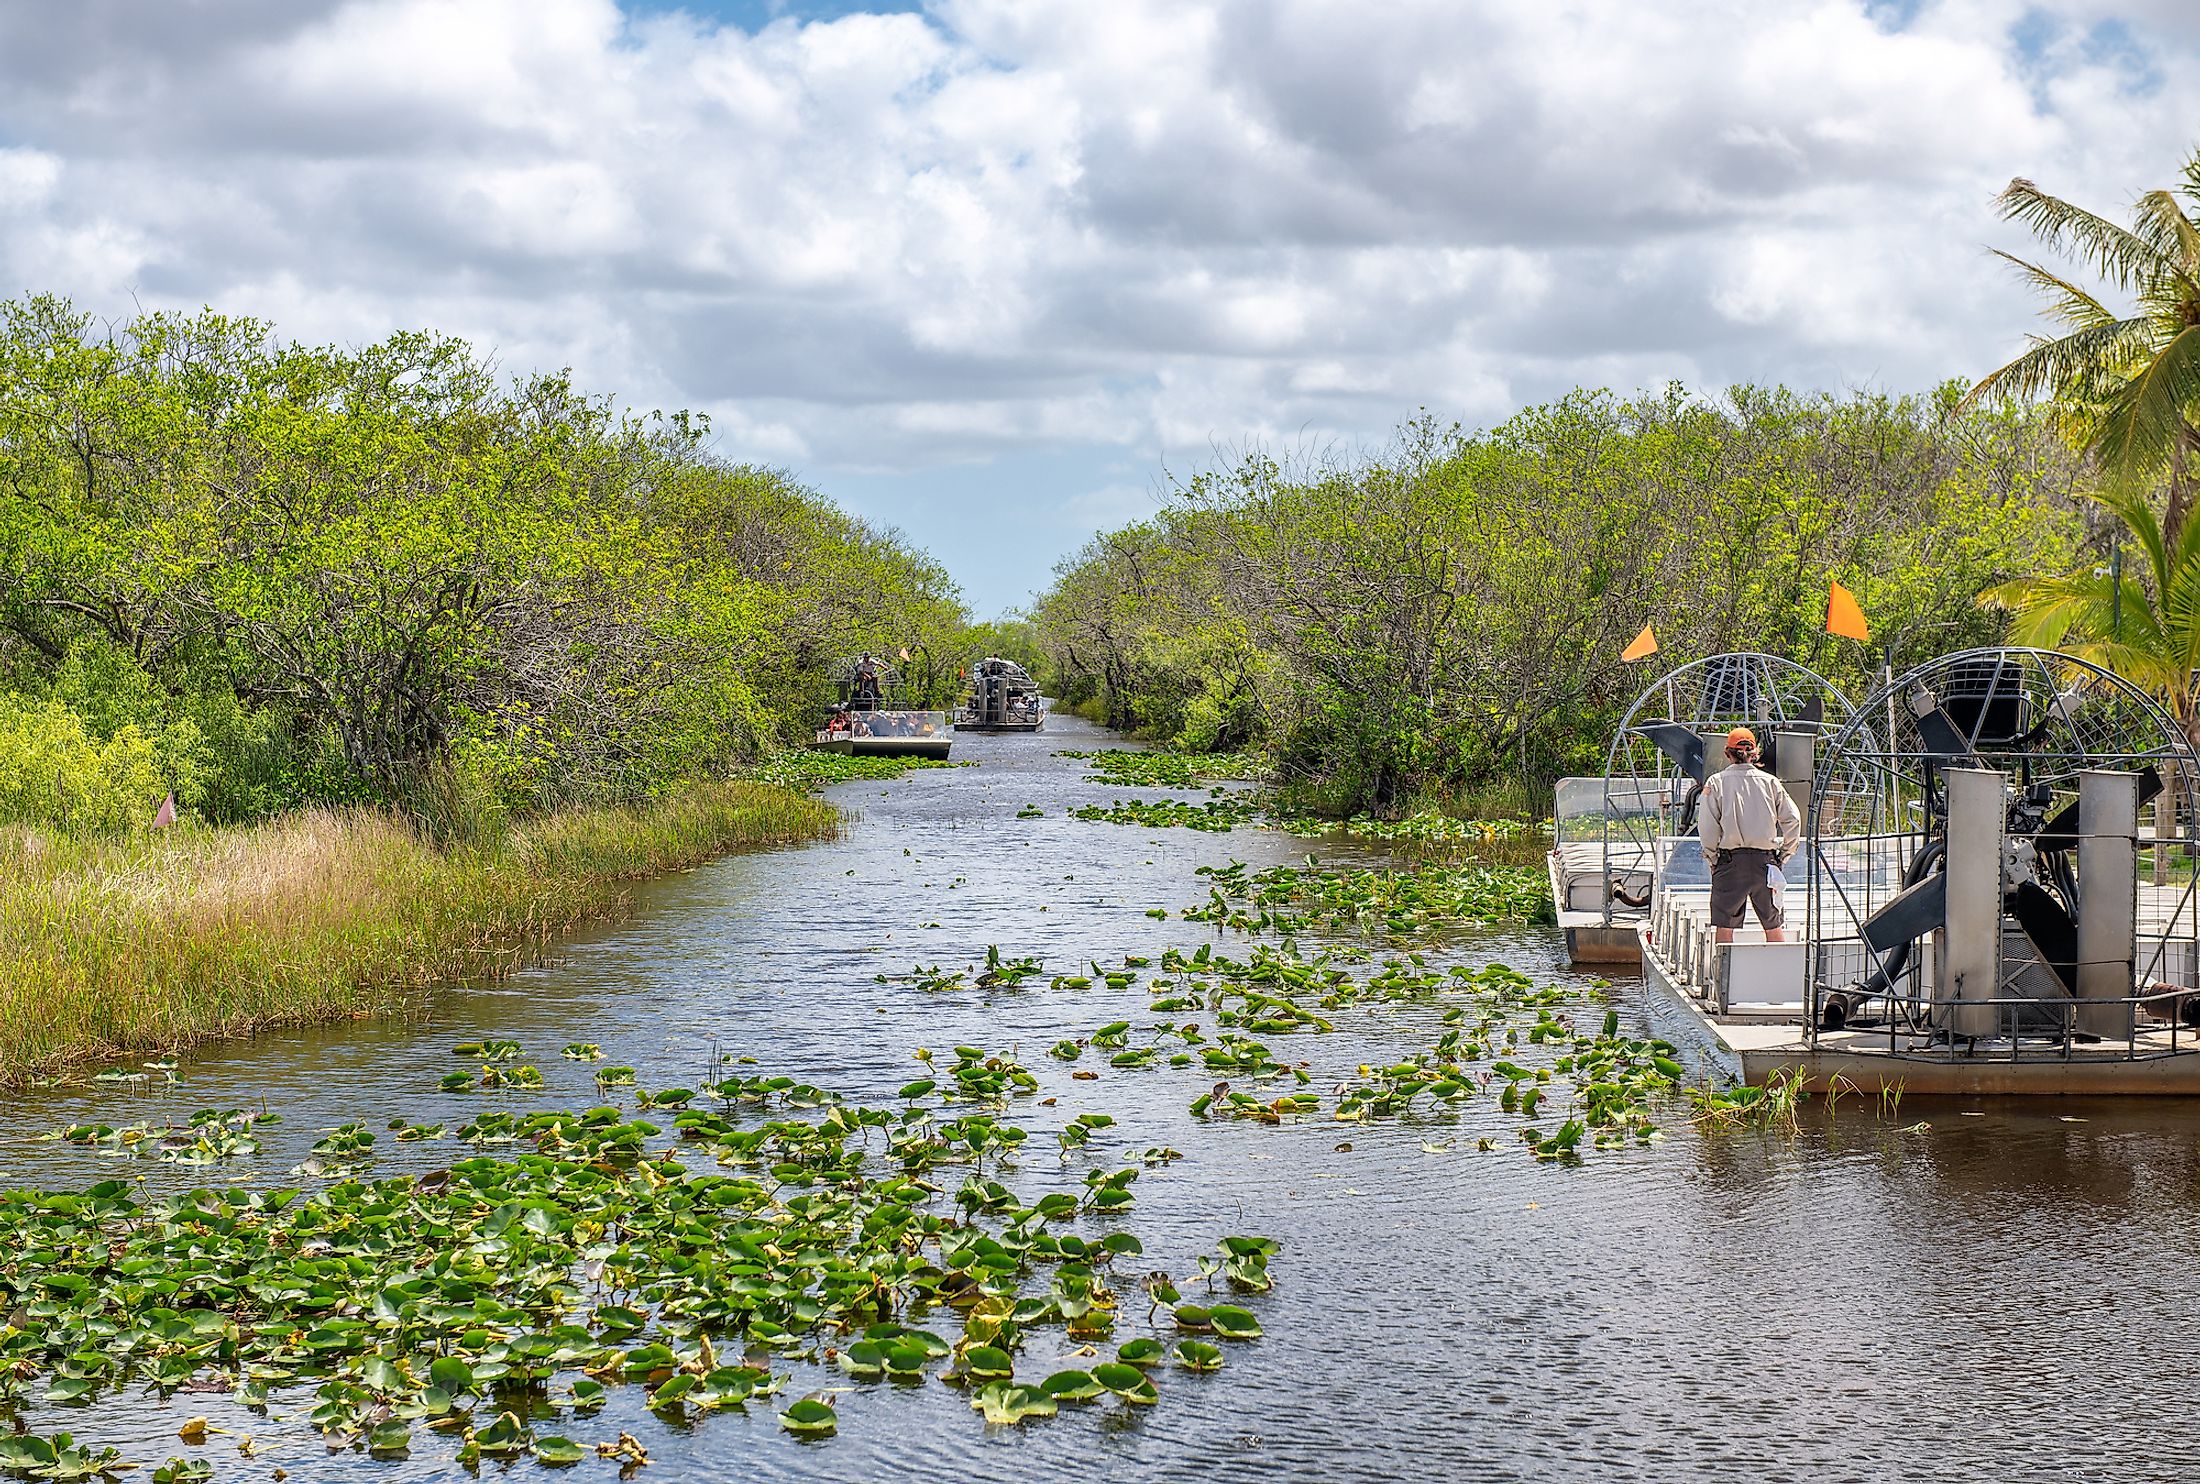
<point x="1968" y="1291"/>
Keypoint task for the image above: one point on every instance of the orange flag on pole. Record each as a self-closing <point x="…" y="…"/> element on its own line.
<point x="1646" y="643"/>
<point x="1843" y="617"/>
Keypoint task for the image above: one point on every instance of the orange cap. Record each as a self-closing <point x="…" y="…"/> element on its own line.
<point x="1741" y="736"/>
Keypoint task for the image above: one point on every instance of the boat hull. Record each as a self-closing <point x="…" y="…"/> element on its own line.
<point x="932" y="747"/>
<point x="1755" y="1052"/>
<point x="1589" y="938"/>
<point x="999" y="726"/>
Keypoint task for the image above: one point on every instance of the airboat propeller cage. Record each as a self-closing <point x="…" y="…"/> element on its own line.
<point x="1675" y="734"/>
<point x="1974" y="859"/>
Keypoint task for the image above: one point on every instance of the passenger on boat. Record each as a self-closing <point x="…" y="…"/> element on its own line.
<point x="866" y="687"/>
<point x="1750" y="827"/>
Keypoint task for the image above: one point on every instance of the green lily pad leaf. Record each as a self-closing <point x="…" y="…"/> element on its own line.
<point x="986" y="1361"/>
<point x="1142" y="1351"/>
<point x="502" y="1438"/>
<point x="810" y="1417"/>
<point x="1233" y="1323"/>
<point x="1198" y="1355"/>
<point x="1194" y="1317"/>
<point x="559" y="1450"/>
<point x="1072" y="1386"/>
<point x="671" y="1393"/>
<point x="588" y="1395"/>
<point x="1118" y="1377"/>
<point x="1005" y="1403"/>
<point x="451" y="1374"/>
<point x="392" y="1436"/>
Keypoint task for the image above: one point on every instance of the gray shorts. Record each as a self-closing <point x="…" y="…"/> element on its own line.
<point x="1738" y="876"/>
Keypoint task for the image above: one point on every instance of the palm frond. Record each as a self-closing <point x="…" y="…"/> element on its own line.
<point x="2145" y="415"/>
<point x="2070" y="304"/>
<point x="2122" y="257"/>
<point x="2161" y="220"/>
<point x="2076" y="361"/>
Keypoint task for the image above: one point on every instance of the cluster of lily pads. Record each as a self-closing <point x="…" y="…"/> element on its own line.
<point x="1216" y="814"/>
<point x="572" y="1251"/>
<point x="1311" y="897"/>
<point x="1136" y="768"/>
<point x="811" y="768"/>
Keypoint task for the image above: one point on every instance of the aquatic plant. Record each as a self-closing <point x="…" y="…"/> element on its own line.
<point x="1156" y="768"/>
<point x="807" y="769"/>
<point x="1392" y="903"/>
<point x="462" y="1298"/>
<point x="1223" y="812"/>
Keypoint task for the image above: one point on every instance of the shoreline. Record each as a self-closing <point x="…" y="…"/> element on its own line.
<point x="153" y="944"/>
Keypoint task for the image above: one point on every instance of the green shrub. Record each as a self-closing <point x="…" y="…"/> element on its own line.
<point x="54" y="770"/>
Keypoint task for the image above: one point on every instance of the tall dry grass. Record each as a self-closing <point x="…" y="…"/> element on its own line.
<point x="111" y="948"/>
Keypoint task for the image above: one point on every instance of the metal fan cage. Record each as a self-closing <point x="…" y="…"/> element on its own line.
<point x="1645" y="794"/>
<point x="2042" y="718"/>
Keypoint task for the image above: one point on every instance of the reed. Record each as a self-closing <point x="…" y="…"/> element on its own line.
<point x="114" y="948"/>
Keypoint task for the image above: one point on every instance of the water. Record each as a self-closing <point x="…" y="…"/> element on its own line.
<point x="1980" y="1291"/>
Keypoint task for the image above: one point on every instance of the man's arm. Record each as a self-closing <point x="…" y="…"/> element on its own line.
<point x="1791" y="823"/>
<point x="1707" y="818"/>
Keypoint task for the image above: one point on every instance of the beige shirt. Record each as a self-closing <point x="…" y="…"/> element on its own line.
<point x="1745" y="808"/>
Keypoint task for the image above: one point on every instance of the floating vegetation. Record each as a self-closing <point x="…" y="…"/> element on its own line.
<point x="808" y="768"/>
<point x="208" y="1138"/>
<point x="501" y="1298"/>
<point x="1140" y="768"/>
<point x="1312" y="897"/>
<point x="1224" y="811"/>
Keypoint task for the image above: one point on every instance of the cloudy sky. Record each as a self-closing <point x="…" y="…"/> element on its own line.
<point x="982" y="269"/>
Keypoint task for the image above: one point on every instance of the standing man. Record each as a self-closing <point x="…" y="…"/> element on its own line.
<point x="1750" y="827"/>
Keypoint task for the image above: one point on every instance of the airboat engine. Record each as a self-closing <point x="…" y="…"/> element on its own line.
<point x="2009" y="790"/>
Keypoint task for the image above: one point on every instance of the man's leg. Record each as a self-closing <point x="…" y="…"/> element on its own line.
<point x="1766" y="901"/>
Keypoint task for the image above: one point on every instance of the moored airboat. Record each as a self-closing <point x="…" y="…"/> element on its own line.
<point x="1978" y="906"/>
<point x="1617" y="837"/>
<point x="1001" y="697"/>
<point x="869" y="716"/>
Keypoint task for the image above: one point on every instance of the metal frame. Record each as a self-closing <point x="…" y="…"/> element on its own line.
<point x="1745" y="688"/>
<point x="1871" y="815"/>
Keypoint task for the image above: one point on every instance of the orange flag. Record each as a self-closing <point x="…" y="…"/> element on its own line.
<point x="1646" y="643"/>
<point x="1843" y="617"/>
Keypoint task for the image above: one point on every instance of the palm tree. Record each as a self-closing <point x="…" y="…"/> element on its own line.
<point x="2144" y="626"/>
<point x="2126" y="387"/>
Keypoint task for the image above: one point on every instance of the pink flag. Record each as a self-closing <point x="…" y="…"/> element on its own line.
<point x="167" y="815"/>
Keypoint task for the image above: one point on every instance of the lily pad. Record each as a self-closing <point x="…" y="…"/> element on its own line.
<point x="811" y="1418"/>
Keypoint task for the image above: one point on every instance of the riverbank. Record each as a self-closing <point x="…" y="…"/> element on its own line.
<point x="149" y="945"/>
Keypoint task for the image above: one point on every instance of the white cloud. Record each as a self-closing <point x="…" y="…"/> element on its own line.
<point x="898" y="241"/>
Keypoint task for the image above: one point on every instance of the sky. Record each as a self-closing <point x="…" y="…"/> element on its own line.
<point x="993" y="271"/>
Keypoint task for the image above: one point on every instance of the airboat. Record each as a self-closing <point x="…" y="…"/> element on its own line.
<point x="1982" y="909"/>
<point x="869" y="716"/>
<point x="1002" y="698"/>
<point x="1617" y="837"/>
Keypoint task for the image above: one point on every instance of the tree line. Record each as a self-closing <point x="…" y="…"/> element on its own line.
<point x="1447" y="616"/>
<point x="262" y="573"/>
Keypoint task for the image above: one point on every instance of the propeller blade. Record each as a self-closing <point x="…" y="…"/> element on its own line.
<point x="2061" y="832"/>
<point x="1909" y="915"/>
<point x="1680" y="744"/>
<point x="1938" y="734"/>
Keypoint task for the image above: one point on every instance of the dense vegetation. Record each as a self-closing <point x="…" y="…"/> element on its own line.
<point x="263" y="574"/>
<point x="1448" y="615"/>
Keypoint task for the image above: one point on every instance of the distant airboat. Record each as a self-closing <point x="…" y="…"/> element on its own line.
<point x="869" y="716"/>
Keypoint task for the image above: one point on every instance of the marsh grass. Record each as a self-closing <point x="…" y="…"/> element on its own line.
<point x="121" y="947"/>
